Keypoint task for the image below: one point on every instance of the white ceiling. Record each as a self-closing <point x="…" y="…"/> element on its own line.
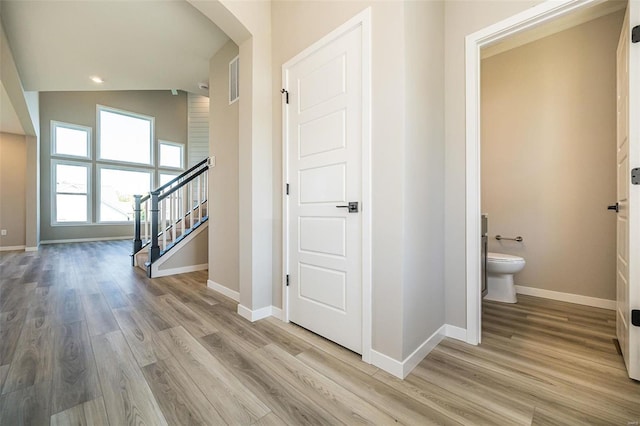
<point x="132" y="45"/>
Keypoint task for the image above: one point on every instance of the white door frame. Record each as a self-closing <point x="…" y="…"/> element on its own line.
<point x="362" y="19"/>
<point x="544" y="12"/>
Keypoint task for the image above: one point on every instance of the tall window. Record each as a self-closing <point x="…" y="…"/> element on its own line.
<point x="124" y="136"/>
<point x="171" y="155"/>
<point x="71" y="192"/>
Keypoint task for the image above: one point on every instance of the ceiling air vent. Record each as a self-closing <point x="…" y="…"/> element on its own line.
<point x="234" y="94"/>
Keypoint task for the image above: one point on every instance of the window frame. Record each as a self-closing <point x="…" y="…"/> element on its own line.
<point x="54" y="192"/>
<point x="98" y="191"/>
<point x="182" y="155"/>
<point x="54" y="142"/>
<point x="152" y="141"/>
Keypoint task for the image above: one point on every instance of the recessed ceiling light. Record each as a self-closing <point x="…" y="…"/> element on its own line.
<point x="97" y="79"/>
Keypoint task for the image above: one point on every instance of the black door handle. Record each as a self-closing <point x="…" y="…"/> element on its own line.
<point x="615" y="207"/>
<point x="353" y="207"/>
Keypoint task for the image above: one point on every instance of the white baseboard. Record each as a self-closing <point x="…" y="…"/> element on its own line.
<point x="85" y="240"/>
<point x="231" y="294"/>
<point x="181" y="270"/>
<point x="567" y="297"/>
<point x="454" y="332"/>
<point x="31" y="248"/>
<point x="11" y="248"/>
<point x="277" y="313"/>
<point x="256" y="315"/>
<point x="401" y="369"/>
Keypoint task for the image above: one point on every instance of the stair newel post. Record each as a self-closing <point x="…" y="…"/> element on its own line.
<point x="137" y="242"/>
<point x="154" y="248"/>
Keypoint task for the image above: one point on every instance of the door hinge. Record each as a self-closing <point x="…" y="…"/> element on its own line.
<point x="286" y="95"/>
<point x="287" y="189"/>
<point x="635" y="34"/>
<point x="287" y="280"/>
<point x="635" y="317"/>
<point x="635" y="176"/>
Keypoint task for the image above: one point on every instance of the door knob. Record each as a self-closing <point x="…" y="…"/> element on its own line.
<point x="615" y="207"/>
<point x="353" y="207"/>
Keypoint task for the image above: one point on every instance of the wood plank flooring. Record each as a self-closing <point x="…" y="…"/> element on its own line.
<point x="87" y="339"/>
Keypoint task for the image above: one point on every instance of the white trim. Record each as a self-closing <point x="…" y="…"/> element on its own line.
<point x="276" y="312"/>
<point x="567" y="297"/>
<point x="131" y="114"/>
<point x="454" y="332"/>
<point x="28" y="249"/>
<point x="362" y="19"/>
<point x="179" y="270"/>
<point x="54" y="139"/>
<point x="256" y="315"/>
<point x="225" y="291"/>
<point x="12" y="248"/>
<point x="536" y="15"/>
<point x="84" y="240"/>
<point x="401" y="369"/>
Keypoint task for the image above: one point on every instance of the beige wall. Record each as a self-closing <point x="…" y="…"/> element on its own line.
<point x="192" y="253"/>
<point x="170" y="114"/>
<point x="461" y="19"/>
<point x="223" y="178"/>
<point x="407" y="157"/>
<point x="549" y="157"/>
<point x="13" y="164"/>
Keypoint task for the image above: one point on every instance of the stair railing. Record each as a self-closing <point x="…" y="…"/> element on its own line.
<point x="171" y="212"/>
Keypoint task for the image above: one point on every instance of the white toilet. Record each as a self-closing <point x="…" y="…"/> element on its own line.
<point x="500" y="271"/>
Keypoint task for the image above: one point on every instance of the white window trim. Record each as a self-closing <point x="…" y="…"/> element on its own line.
<point x="182" y="156"/>
<point x="54" y="192"/>
<point x="237" y="61"/>
<point x="152" y="143"/>
<point x="53" y="137"/>
<point x="117" y="167"/>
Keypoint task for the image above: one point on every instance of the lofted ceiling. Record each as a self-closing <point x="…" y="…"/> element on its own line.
<point x="133" y="45"/>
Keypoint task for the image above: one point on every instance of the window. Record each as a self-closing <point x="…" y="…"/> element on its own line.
<point x="124" y="136"/>
<point x="166" y="178"/>
<point x="70" y="203"/>
<point x="117" y="188"/>
<point x="70" y="140"/>
<point x="234" y="89"/>
<point x="171" y="155"/>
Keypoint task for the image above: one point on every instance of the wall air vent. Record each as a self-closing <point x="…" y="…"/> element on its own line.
<point x="234" y="92"/>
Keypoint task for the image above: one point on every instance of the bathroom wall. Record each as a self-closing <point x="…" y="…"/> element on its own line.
<point x="549" y="157"/>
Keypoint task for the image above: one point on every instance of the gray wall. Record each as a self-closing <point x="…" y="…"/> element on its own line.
<point x="461" y="19"/>
<point x="407" y="157"/>
<point x="170" y="114"/>
<point x="542" y="129"/>
<point x="223" y="178"/>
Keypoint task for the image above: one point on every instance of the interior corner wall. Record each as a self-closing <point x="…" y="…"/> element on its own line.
<point x="223" y="178"/>
<point x="423" y="281"/>
<point x="13" y="166"/>
<point x="542" y="128"/>
<point x="170" y="114"/>
<point x="296" y="26"/>
<point x="461" y="19"/>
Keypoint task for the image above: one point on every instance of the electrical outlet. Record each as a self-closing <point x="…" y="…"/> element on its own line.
<point x="3" y="232"/>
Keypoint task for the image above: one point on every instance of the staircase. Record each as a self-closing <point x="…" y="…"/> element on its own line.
<point x="170" y="225"/>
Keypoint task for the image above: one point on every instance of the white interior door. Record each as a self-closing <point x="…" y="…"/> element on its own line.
<point x="324" y="157"/>
<point x="628" y="196"/>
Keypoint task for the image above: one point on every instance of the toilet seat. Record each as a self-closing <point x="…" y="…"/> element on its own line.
<point x="501" y="257"/>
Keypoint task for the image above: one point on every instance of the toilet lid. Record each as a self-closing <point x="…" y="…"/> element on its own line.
<point x="500" y="257"/>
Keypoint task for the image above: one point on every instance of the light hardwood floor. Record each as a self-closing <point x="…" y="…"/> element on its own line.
<point x="87" y="339"/>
